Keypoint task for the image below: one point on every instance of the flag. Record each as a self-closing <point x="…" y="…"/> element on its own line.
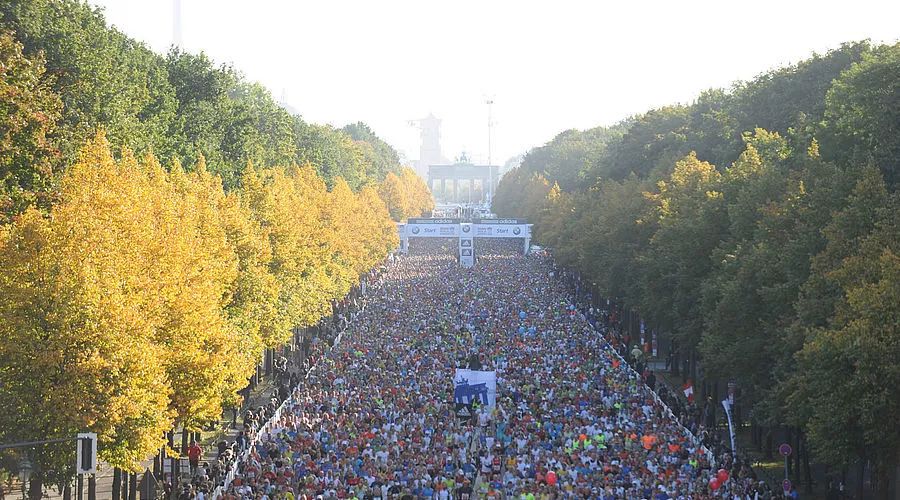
<point x="688" y="389"/>
<point x="472" y="386"/>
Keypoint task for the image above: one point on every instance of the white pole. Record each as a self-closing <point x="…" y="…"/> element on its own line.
<point x="490" y="103"/>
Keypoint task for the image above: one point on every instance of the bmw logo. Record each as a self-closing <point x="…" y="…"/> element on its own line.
<point x="415" y="230"/>
<point x="516" y="230"/>
<point x="466" y="229"/>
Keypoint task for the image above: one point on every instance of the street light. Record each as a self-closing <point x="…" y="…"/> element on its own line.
<point x="25" y="469"/>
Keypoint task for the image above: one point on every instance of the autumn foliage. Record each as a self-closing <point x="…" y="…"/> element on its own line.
<point x="144" y="297"/>
<point x="406" y="195"/>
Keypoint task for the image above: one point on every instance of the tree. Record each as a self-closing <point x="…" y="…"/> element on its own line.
<point x="418" y="197"/>
<point x="331" y="152"/>
<point x="692" y="221"/>
<point x="102" y="76"/>
<point x="652" y="143"/>
<point x="254" y="297"/>
<point x="207" y="358"/>
<point x="615" y="225"/>
<point x="862" y="114"/>
<point x="845" y="388"/>
<point x="392" y="192"/>
<point x="28" y="117"/>
<point x="521" y="194"/>
<point x="382" y="237"/>
<point x="572" y="158"/>
<point x="777" y="202"/>
<point x="380" y="156"/>
<point x="76" y="298"/>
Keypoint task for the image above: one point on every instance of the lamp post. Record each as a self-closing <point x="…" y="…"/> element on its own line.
<point x="25" y="470"/>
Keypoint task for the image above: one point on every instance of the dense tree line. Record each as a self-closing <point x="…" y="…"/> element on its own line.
<point x="759" y="227"/>
<point x="162" y="221"/>
<point x="65" y="73"/>
<point x="143" y="299"/>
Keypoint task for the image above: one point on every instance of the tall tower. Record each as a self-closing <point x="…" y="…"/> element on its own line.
<point x="430" y="147"/>
<point x="176" y="24"/>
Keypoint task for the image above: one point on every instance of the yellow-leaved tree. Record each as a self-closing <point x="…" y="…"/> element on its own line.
<point x="207" y="357"/>
<point x="405" y="195"/>
<point x="79" y="350"/>
<point x="289" y="204"/>
<point x="254" y="296"/>
<point x="418" y="196"/>
<point x="394" y="196"/>
<point x="143" y="299"/>
<point x="381" y="232"/>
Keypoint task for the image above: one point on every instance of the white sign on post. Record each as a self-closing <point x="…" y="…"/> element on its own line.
<point x="466" y="245"/>
<point x="86" y="459"/>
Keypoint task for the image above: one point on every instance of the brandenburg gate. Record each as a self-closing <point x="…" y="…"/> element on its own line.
<point x="463" y="182"/>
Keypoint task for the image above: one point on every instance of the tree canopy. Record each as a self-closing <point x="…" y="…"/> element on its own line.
<point x="758" y="226"/>
<point x="178" y="105"/>
<point x="162" y="221"/>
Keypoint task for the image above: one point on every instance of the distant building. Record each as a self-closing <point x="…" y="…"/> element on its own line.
<point x="463" y="182"/>
<point x="430" y="147"/>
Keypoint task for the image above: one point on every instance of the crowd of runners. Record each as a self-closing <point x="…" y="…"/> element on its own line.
<point x="376" y="419"/>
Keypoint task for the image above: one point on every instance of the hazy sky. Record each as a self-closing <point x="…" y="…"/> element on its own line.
<point x="549" y="65"/>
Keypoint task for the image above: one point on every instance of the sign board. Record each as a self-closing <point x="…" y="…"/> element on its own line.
<point x="502" y="230"/>
<point x="467" y="232"/>
<point x="786" y="485"/>
<point x="183" y="465"/>
<point x="466" y="249"/>
<point x="86" y="459"/>
<point x="432" y="230"/>
<point x="785" y="449"/>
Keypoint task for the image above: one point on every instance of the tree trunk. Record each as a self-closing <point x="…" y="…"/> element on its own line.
<point x="184" y="441"/>
<point x="897" y="476"/>
<point x="125" y="477"/>
<point x="132" y="487"/>
<point x="693" y="362"/>
<point x="881" y="479"/>
<point x="67" y="491"/>
<point x="158" y="462"/>
<point x="117" y="483"/>
<point x="796" y="455"/>
<point x="757" y="436"/>
<point x="676" y="359"/>
<point x="806" y="469"/>
<point x="770" y="444"/>
<point x="269" y="358"/>
<point x="860" y="478"/>
<point x="176" y="474"/>
<point x="36" y="488"/>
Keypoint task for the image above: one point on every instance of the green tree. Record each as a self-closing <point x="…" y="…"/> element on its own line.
<point x="846" y="387"/>
<point x="28" y="115"/>
<point x="102" y="76"/>
<point x="380" y="156"/>
<point x="862" y="114"/>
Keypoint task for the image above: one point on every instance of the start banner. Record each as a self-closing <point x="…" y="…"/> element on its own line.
<point x="483" y="230"/>
<point x="432" y="230"/>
